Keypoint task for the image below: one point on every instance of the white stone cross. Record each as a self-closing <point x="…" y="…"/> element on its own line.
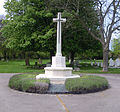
<point x="59" y="20"/>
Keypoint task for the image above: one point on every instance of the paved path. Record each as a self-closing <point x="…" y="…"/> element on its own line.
<point x="105" y="101"/>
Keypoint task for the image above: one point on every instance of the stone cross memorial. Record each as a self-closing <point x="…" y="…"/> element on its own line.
<point x="58" y="69"/>
<point x="58" y="60"/>
<point x="59" y="20"/>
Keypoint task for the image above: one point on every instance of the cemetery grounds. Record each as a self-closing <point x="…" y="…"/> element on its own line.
<point x="18" y="66"/>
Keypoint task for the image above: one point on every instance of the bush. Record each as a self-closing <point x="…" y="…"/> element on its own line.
<point x="28" y="83"/>
<point x="86" y="84"/>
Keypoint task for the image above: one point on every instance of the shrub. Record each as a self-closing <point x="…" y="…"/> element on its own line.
<point x="86" y="84"/>
<point x="28" y="83"/>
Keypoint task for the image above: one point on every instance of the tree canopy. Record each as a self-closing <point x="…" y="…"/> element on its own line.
<point x="99" y="17"/>
<point x="28" y="23"/>
<point x="29" y="26"/>
<point x="116" y="47"/>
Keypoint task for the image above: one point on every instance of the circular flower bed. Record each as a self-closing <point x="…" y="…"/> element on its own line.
<point x="86" y="84"/>
<point x="28" y="83"/>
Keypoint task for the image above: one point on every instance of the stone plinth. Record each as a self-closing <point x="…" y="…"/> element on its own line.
<point x="58" y="61"/>
<point x="58" y="71"/>
<point x="56" y="78"/>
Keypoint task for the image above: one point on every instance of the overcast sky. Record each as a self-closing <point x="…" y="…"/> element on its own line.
<point x="2" y="10"/>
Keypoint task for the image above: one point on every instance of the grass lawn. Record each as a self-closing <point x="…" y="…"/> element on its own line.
<point x="94" y="69"/>
<point x="97" y="70"/>
<point x="18" y="66"/>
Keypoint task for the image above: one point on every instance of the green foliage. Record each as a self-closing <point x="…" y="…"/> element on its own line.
<point x="28" y="83"/>
<point x="116" y="47"/>
<point x="44" y="81"/>
<point x="76" y="39"/>
<point x="86" y="84"/>
<point x="28" y="23"/>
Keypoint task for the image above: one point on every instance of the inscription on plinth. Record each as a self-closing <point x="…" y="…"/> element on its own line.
<point x="58" y="61"/>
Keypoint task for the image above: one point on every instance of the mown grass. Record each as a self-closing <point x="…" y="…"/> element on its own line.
<point x="18" y="66"/>
<point x="95" y="69"/>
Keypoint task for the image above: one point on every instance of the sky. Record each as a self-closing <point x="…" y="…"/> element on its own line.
<point x="2" y="10"/>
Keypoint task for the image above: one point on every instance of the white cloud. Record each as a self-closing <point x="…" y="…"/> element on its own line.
<point x="2" y="10"/>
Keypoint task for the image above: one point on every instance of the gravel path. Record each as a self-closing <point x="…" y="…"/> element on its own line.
<point x="105" y="101"/>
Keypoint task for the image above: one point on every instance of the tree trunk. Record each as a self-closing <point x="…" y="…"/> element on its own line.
<point x="5" y="55"/>
<point x="105" y="59"/>
<point x="14" y="56"/>
<point x="27" y="62"/>
<point x="72" y="58"/>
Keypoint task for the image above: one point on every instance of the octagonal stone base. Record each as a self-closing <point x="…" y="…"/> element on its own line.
<point x="58" y="70"/>
<point x="57" y="73"/>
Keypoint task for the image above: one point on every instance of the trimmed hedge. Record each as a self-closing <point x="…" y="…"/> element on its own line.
<point x="28" y="83"/>
<point x="86" y="84"/>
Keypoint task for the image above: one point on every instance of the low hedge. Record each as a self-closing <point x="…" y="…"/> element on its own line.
<point x="28" y="83"/>
<point x="86" y="84"/>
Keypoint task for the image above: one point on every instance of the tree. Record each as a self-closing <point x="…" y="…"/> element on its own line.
<point x="3" y="50"/>
<point x="77" y="42"/>
<point x="101" y="20"/>
<point x="1" y="26"/>
<point x="116" y="47"/>
<point x="109" y="17"/>
<point x="28" y="24"/>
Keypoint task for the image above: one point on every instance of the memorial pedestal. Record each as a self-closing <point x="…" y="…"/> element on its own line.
<point x="58" y="61"/>
<point x="58" y="70"/>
